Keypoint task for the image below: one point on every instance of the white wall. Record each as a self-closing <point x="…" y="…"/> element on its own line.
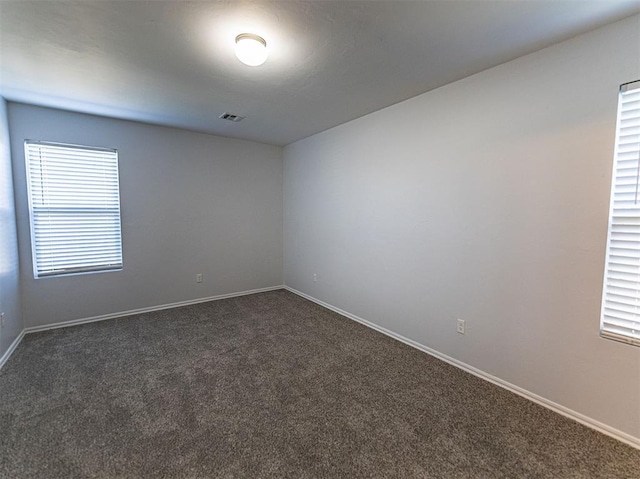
<point x="485" y="200"/>
<point x="190" y="203"/>
<point x="9" y="269"/>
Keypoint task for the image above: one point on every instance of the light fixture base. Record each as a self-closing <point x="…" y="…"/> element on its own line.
<point x="251" y="36"/>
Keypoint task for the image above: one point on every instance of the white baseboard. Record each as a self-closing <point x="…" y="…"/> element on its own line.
<point x="11" y="349"/>
<point x="75" y="322"/>
<point x="102" y="317"/>
<point x="565" y="411"/>
<point x="576" y="416"/>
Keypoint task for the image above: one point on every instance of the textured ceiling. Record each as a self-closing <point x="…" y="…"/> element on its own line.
<point x="172" y="63"/>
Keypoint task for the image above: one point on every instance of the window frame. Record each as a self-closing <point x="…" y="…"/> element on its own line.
<point x="115" y="211"/>
<point x="608" y="332"/>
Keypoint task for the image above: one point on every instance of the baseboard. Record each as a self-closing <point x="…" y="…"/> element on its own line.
<point x="558" y="408"/>
<point x="12" y="348"/>
<point x="102" y="317"/>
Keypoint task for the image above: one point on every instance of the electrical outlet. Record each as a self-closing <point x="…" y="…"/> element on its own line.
<point x="315" y="277"/>
<point x="460" y="326"/>
<point x="2" y="320"/>
<point x="199" y="277"/>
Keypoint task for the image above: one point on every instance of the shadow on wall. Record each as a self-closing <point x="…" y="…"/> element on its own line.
<point x="8" y="251"/>
<point x="8" y="240"/>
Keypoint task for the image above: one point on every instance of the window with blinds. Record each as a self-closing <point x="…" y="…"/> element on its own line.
<point x="74" y="206"/>
<point x="621" y="298"/>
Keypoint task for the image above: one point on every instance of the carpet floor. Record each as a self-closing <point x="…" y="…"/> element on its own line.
<point x="271" y="385"/>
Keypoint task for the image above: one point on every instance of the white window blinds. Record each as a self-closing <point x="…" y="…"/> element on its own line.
<point x="74" y="205"/>
<point x="621" y="299"/>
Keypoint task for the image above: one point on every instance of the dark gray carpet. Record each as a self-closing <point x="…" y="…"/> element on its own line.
<point x="271" y="385"/>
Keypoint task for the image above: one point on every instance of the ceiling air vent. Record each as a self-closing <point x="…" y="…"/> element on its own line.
<point x="231" y="117"/>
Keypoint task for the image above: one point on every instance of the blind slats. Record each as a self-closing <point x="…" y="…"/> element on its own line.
<point x="74" y="205"/>
<point x="620" y="317"/>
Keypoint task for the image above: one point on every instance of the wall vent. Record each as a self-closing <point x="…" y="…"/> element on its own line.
<point x="231" y="117"/>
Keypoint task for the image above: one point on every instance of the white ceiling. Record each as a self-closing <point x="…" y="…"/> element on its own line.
<point x="172" y="63"/>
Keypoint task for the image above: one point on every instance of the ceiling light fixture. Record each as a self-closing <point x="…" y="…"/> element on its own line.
<point x="251" y="49"/>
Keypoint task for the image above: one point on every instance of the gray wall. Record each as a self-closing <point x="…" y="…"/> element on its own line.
<point x="485" y="200"/>
<point x="191" y="203"/>
<point x="9" y="270"/>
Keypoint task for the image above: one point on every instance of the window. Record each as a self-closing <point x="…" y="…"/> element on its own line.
<point x="74" y="206"/>
<point x="621" y="298"/>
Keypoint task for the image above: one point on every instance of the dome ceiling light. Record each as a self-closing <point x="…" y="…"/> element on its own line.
<point x="251" y="49"/>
